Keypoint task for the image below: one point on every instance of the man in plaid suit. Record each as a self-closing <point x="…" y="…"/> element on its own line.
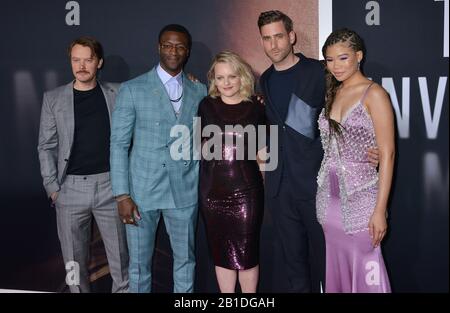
<point x="147" y="182"/>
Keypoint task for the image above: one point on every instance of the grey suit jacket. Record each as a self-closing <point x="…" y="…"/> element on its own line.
<point x="56" y="131"/>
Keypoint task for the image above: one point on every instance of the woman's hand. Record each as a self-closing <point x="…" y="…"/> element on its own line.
<point x="377" y="227"/>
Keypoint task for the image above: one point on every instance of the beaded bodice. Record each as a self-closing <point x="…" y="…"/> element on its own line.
<point x="346" y="154"/>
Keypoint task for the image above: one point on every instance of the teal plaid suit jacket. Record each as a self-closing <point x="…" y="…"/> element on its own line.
<point x="142" y="120"/>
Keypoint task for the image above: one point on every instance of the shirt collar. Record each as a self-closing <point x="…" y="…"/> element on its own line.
<point x="165" y="77"/>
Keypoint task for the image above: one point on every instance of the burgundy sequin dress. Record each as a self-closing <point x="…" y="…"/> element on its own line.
<point x="231" y="193"/>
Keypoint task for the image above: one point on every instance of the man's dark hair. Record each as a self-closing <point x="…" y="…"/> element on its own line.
<point x="270" y="17"/>
<point x="176" y="28"/>
<point x="85" y="41"/>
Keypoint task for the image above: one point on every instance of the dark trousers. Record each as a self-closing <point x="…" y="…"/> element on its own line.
<point x="299" y="239"/>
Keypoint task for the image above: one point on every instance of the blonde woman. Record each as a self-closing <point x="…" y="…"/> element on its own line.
<point x="231" y="186"/>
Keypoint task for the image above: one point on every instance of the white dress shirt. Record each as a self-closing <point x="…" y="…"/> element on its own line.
<point x="174" y="87"/>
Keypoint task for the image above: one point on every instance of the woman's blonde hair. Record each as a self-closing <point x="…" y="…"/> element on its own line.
<point x="242" y="69"/>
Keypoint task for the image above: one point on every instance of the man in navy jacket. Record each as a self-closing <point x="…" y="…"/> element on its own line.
<point x="294" y="89"/>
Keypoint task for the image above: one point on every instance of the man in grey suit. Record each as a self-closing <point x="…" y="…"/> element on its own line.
<point x="73" y="151"/>
<point x="149" y="182"/>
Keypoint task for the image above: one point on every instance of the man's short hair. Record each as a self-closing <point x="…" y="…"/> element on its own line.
<point x="273" y="16"/>
<point x="176" y="28"/>
<point x="86" y="41"/>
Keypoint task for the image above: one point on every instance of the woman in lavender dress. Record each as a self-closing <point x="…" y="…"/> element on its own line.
<point x="352" y="196"/>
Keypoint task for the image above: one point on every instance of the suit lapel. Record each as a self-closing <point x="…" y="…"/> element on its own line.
<point x="68" y="111"/>
<point x="109" y="97"/>
<point x="159" y="92"/>
<point x="188" y="100"/>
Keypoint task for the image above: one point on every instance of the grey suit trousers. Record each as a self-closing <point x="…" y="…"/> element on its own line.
<point x="80" y="198"/>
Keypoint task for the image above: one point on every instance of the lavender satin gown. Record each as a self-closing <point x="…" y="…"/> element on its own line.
<point x="345" y="201"/>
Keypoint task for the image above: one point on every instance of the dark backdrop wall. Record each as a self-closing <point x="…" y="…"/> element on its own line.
<point x="405" y="54"/>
